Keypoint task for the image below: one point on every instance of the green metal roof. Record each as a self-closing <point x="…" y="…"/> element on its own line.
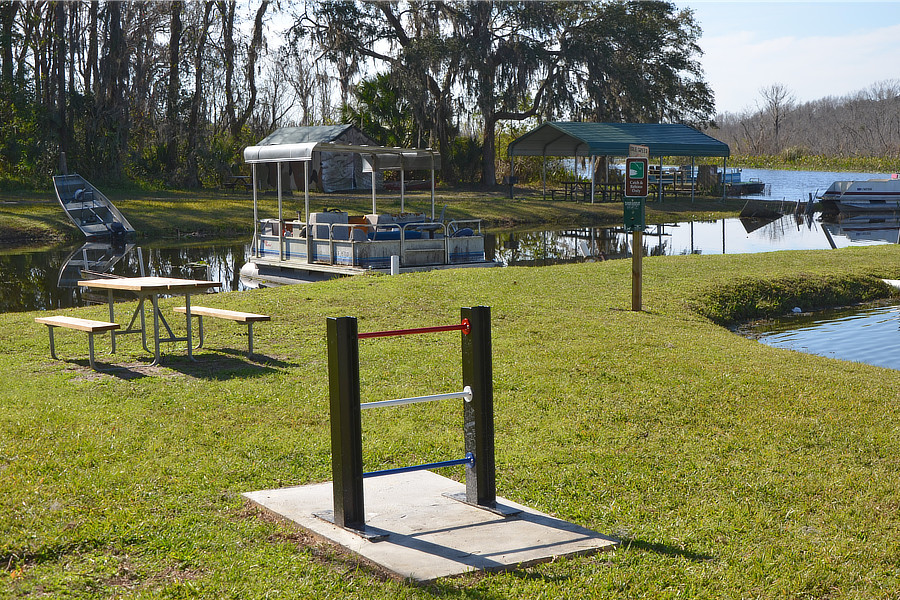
<point x="566" y="138"/>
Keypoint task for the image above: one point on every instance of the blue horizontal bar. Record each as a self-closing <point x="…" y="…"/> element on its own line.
<point x="468" y="460"/>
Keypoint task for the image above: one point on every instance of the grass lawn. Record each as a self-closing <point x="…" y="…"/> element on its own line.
<point x="727" y="468"/>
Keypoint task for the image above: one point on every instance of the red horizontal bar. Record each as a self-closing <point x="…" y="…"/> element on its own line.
<point x="464" y="327"/>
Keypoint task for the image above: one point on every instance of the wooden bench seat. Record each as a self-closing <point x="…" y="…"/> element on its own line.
<point x="220" y="313"/>
<point x="87" y="325"/>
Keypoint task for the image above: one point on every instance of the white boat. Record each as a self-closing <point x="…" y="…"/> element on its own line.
<point x="334" y="243"/>
<point x="89" y="209"/>
<point x="862" y="196"/>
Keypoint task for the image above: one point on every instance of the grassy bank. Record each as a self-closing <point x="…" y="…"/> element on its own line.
<point x="802" y="162"/>
<point x="726" y="467"/>
<point x="26" y="218"/>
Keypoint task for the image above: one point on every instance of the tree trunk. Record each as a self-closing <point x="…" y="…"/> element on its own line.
<point x="60" y="68"/>
<point x="8" y="12"/>
<point x="228" y="50"/>
<point x="174" y="88"/>
<point x="192" y="176"/>
<point x="91" y="68"/>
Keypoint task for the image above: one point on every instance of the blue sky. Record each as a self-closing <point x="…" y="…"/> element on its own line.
<point x="815" y="49"/>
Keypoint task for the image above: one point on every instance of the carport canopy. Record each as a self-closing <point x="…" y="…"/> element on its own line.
<point x="566" y="138"/>
<point x="575" y="139"/>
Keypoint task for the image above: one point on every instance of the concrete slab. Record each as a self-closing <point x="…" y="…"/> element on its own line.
<point x="430" y="535"/>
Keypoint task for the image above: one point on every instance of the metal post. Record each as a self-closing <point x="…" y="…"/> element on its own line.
<point x="637" y="269"/>
<point x="280" y="218"/>
<point x="346" y="422"/>
<point x="255" y="242"/>
<point x="478" y="415"/>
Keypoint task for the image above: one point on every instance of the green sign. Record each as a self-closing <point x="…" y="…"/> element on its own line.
<point x="634" y="214"/>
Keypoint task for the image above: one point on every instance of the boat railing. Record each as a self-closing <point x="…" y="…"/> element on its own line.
<point x="349" y="233"/>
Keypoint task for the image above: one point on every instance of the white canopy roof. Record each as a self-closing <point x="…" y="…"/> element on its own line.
<point x="377" y="158"/>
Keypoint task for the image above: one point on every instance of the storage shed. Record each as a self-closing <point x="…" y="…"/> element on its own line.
<point x="329" y="171"/>
<point x="577" y="139"/>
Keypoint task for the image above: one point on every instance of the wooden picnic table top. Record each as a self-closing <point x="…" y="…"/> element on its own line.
<point x="150" y="284"/>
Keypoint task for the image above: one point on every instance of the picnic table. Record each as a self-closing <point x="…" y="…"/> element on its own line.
<point x="151" y="288"/>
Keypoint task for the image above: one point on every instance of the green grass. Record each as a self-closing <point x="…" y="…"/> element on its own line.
<point x="727" y="468"/>
<point x="794" y="160"/>
<point x="30" y="218"/>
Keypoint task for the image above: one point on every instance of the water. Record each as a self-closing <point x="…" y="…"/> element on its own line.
<point x="723" y="236"/>
<point x="798" y="185"/>
<point x="42" y="280"/>
<point x="33" y="280"/>
<point x="870" y="335"/>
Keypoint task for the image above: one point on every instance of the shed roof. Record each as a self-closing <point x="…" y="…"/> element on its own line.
<point x="566" y="138"/>
<point x="302" y="135"/>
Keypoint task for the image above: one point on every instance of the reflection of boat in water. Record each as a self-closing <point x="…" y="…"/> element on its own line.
<point x="89" y="209"/>
<point x="93" y="259"/>
<point x="334" y="243"/>
<point x="877" y="228"/>
<point x="862" y="196"/>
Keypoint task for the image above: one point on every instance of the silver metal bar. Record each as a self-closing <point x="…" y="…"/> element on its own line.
<point x="466" y="394"/>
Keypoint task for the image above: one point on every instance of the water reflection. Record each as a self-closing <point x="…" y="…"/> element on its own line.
<point x="723" y="236"/>
<point x="46" y="279"/>
<point x="869" y="335"/>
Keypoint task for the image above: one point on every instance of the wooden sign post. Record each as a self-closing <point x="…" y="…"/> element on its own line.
<point x="636" y="188"/>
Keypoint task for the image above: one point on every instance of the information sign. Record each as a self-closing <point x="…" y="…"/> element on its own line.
<point x="638" y="151"/>
<point x="634" y="214"/>
<point x="636" y="177"/>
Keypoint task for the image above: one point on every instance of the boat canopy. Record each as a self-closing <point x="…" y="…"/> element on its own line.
<point x="377" y="158"/>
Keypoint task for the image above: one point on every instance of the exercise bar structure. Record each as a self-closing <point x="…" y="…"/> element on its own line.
<point x="346" y="408"/>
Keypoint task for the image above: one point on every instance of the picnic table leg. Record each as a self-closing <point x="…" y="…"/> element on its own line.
<point x="112" y="319"/>
<point x="143" y="323"/>
<point x="52" y="345"/>
<point x="154" y="299"/>
<point x="250" y="338"/>
<point x="187" y="313"/>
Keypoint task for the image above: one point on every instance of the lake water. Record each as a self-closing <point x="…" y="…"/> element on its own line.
<point x="42" y="279"/>
<point x="797" y="185"/>
<point x="870" y="335"/>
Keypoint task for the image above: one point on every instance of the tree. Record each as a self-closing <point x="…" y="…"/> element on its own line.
<point x="490" y="62"/>
<point x="777" y="102"/>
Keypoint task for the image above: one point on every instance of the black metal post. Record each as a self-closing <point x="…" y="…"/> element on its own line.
<point x="346" y="422"/>
<point x="478" y="415"/>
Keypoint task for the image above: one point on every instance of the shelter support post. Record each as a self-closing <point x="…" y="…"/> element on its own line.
<point x="309" y="239"/>
<point x="659" y="181"/>
<point x="280" y="217"/>
<point x="693" y="179"/>
<point x="544" y="174"/>
<point x="724" y="170"/>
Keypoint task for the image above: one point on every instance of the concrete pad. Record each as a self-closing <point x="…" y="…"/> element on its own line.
<point x="427" y="534"/>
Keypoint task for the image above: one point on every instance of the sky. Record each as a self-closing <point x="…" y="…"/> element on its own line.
<point x="814" y="49"/>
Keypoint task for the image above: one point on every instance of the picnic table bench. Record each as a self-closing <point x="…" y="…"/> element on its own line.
<point x="87" y="325"/>
<point x="232" y="181"/>
<point x="220" y="313"/>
